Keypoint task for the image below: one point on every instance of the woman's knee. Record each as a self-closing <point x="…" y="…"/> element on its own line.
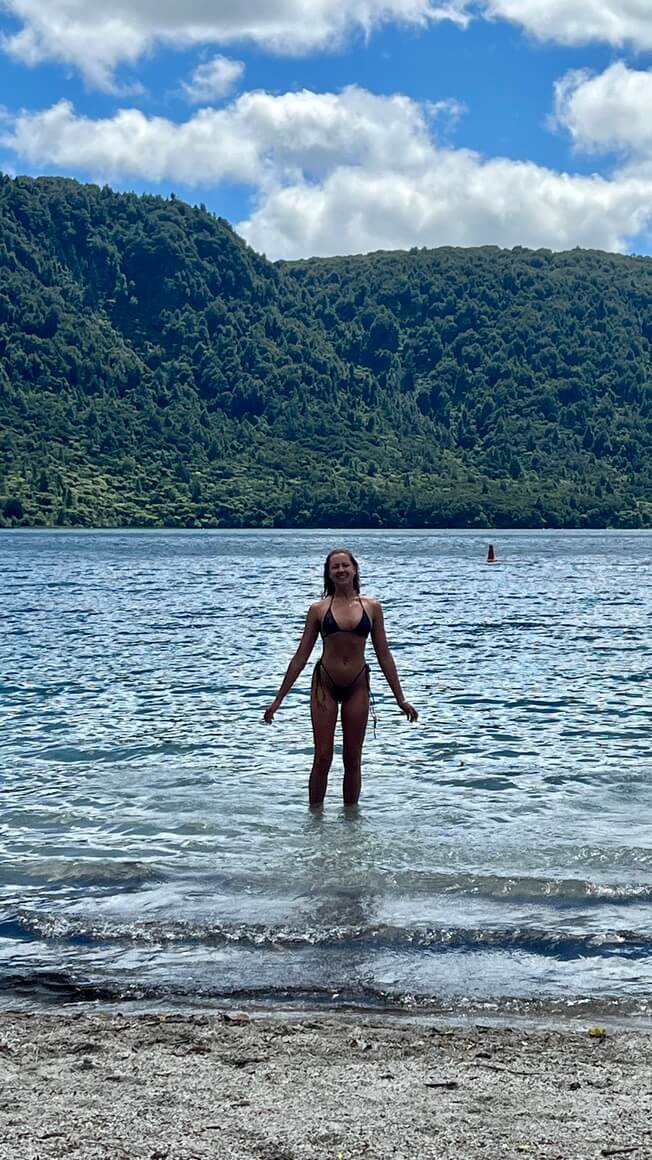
<point x="352" y="758"/>
<point x="323" y="758"/>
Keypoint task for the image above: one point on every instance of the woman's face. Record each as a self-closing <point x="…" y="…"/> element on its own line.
<point x="341" y="568"/>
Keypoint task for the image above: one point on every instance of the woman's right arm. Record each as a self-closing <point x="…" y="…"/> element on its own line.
<point x="299" y="660"/>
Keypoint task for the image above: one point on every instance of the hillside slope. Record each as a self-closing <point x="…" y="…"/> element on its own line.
<point x="155" y="370"/>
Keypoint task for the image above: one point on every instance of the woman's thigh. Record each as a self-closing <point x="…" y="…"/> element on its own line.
<point x="355" y="713"/>
<point x="323" y="713"/>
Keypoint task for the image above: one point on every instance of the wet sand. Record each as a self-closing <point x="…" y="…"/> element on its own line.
<point x="155" y="1087"/>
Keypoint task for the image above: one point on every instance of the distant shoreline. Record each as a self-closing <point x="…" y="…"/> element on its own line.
<point x="398" y="529"/>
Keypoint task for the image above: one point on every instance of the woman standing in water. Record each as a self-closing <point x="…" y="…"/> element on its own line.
<point x="341" y="677"/>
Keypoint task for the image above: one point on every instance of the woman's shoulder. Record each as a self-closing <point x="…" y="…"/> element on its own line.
<point x="319" y="606"/>
<point x="370" y="603"/>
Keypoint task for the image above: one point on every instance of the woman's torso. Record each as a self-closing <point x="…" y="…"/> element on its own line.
<point x="345" y="627"/>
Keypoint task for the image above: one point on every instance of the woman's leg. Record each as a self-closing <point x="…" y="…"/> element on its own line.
<point x="355" y="712"/>
<point x="323" y="711"/>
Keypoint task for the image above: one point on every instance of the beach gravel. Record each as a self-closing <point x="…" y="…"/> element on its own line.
<point x="302" y="1087"/>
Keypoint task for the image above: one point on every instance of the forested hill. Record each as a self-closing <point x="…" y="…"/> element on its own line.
<point x="156" y="371"/>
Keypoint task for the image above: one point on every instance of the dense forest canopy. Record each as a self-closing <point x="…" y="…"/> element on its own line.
<point x="154" y="371"/>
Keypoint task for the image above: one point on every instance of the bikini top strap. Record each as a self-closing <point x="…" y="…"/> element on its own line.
<point x="326" y="613"/>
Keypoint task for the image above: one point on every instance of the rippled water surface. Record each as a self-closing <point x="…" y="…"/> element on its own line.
<point x="155" y="843"/>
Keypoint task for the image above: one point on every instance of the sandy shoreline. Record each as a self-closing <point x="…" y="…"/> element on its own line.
<point x="155" y="1087"/>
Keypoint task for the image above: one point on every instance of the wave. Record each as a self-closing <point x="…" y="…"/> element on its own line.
<point x="52" y="988"/>
<point x="122" y="873"/>
<point x="56" y="987"/>
<point x="555" y="894"/>
<point x="524" y="889"/>
<point x="115" y="754"/>
<point x="561" y="945"/>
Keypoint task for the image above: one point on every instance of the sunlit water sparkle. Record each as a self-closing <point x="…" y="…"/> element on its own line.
<point x="155" y="842"/>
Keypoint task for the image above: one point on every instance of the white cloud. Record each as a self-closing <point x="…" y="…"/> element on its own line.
<point x="337" y="173"/>
<point x="69" y="32"/>
<point x="257" y="137"/>
<point x="457" y="199"/>
<point x="615" y="22"/>
<point x="131" y="144"/>
<point x="213" y="80"/>
<point x="97" y="39"/>
<point x="610" y="111"/>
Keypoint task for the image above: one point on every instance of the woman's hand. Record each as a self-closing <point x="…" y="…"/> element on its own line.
<point x="270" y="711"/>
<point x="409" y="710"/>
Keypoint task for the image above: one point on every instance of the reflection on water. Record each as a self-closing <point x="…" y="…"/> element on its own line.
<point x="156" y="840"/>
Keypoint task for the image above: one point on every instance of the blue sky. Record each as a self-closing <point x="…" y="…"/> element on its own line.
<point x="403" y="122"/>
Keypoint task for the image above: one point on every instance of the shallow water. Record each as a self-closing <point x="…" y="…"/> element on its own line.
<point x="155" y="844"/>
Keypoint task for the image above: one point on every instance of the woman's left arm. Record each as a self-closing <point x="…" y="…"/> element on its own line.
<point x="387" y="663"/>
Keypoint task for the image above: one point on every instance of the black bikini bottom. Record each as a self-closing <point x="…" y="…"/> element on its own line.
<point x="323" y="682"/>
<point x="322" y="679"/>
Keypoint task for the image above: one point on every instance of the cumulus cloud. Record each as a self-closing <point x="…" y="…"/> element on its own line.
<point x="213" y="80"/>
<point x="615" y="22"/>
<point x="256" y="138"/>
<point x="96" y="38"/>
<point x="131" y="144"/>
<point x="608" y="111"/>
<point x="342" y="172"/>
<point x="458" y="199"/>
<point x="73" y="34"/>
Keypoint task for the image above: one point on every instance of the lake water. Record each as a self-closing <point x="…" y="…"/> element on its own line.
<point x="155" y="842"/>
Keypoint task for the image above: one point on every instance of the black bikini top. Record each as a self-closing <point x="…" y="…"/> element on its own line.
<point x="329" y="625"/>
